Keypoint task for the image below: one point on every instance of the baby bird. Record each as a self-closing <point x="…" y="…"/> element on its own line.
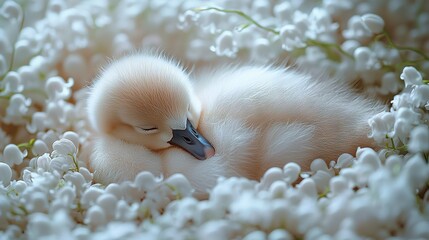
<point x="150" y="115"/>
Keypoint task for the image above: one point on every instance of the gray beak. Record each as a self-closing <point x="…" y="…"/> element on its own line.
<point x="191" y="141"/>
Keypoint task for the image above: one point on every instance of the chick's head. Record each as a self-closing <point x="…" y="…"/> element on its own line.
<point x="149" y="101"/>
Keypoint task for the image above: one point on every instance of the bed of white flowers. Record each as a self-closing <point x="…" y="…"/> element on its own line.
<point x="51" y="48"/>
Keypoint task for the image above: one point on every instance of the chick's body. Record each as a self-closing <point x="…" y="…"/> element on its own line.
<point x="255" y="118"/>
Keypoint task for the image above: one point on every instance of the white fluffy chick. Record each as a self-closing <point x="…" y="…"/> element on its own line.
<point x="150" y="115"/>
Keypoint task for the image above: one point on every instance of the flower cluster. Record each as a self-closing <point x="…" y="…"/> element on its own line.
<point x="311" y="34"/>
<point x="49" y="50"/>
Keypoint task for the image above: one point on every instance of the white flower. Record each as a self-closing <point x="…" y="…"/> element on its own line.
<point x="373" y="22"/>
<point x="280" y="234"/>
<point x="270" y="176"/>
<point x="12" y="83"/>
<point x="261" y="50"/>
<point x="17" y="109"/>
<point x="411" y="76"/>
<point x="12" y="155"/>
<point x="365" y="59"/>
<point x="144" y="181"/>
<point x="338" y="185"/>
<point x="344" y="160"/>
<point x="420" y="95"/>
<point x="381" y="124"/>
<point x="356" y="29"/>
<point x="389" y="84"/>
<point x="292" y="37"/>
<point x="125" y="212"/>
<point x="58" y="89"/>
<point x="225" y="45"/>
<point x="308" y="188"/>
<point x="4" y="139"/>
<point x="39" y="148"/>
<point x="38" y="122"/>
<point x="291" y="171"/>
<point x="419" y="139"/>
<point x="95" y="216"/>
<point x="255" y="235"/>
<point x="368" y="157"/>
<point x="181" y="185"/>
<point x="108" y="203"/>
<point x="64" y="147"/>
<point x="284" y="12"/>
<point x="187" y="19"/>
<point x="90" y="196"/>
<point x="5" y="174"/>
<point x="11" y="11"/>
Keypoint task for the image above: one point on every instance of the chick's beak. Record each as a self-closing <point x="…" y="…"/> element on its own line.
<point x="191" y="141"/>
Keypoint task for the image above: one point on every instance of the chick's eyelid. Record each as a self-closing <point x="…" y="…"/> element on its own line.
<point x="146" y="130"/>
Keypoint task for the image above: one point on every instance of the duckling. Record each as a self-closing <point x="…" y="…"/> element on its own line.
<point x="149" y="114"/>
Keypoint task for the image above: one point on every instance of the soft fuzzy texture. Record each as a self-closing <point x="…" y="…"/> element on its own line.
<point x="50" y="49"/>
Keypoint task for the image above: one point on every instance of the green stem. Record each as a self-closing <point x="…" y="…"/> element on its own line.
<point x="384" y="34"/>
<point x="240" y="13"/>
<point x="76" y="164"/>
<point x="28" y="146"/>
<point x="312" y="42"/>
<point x="12" y="58"/>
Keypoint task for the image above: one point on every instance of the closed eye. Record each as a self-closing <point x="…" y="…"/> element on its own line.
<point x="149" y="129"/>
<point x="146" y="130"/>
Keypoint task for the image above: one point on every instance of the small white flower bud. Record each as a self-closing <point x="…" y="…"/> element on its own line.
<point x="76" y="67"/>
<point x="12" y="155"/>
<point x="271" y="175"/>
<point x="39" y="148"/>
<point x="344" y="160"/>
<point x="11" y="11"/>
<point x="59" y="164"/>
<point x="145" y="181"/>
<point x="5" y="174"/>
<point x="338" y="185"/>
<point x="225" y="45"/>
<point x="12" y="82"/>
<point x="321" y="179"/>
<point x="108" y="203"/>
<point x="64" y="147"/>
<point x="44" y="161"/>
<point x="255" y="235"/>
<point x="411" y="76"/>
<point x="39" y="225"/>
<point x="416" y="172"/>
<point x="181" y="183"/>
<point x="278" y="189"/>
<point x="86" y="174"/>
<point x="57" y="88"/>
<point x="318" y="165"/>
<point x="4" y="66"/>
<point x="67" y="195"/>
<point x="23" y="52"/>
<point x="38" y="122"/>
<point x="308" y="187"/>
<point x="72" y="136"/>
<point x="420" y="95"/>
<point x="38" y="202"/>
<point x="95" y="216"/>
<point x="90" y="196"/>
<point x="291" y="37"/>
<point x="280" y="234"/>
<point x="368" y="157"/>
<point x="373" y="22"/>
<point x="419" y="139"/>
<point x="291" y="171"/>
